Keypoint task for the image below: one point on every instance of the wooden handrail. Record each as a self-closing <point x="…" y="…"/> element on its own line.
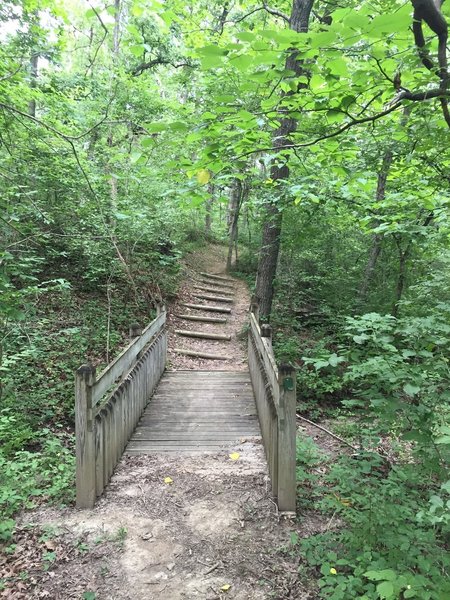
<point x="125" y="359"/>
<point x="103" y="428"/>
<point x="275" y="394"/>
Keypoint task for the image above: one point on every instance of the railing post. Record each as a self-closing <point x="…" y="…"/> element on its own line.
<point x="85" y="437"/>
<point x="286" y="494"/>
<point x="254" y="307"/>
<point x="135" y="330"/>
<point x="266" y="332"/>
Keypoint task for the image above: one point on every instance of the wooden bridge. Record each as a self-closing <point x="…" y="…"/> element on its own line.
<point x="136" y="406"/>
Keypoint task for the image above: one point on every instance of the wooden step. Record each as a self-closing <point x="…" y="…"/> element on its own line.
<point x="213" y="290"/>
<point x="207" y="307"/>
<point x="219" y="277"/>
<point x="222" y="286"/>
<point x="202" y="354"/>
<point x="203" y="319"/>
<point x="213" y="298"/>
<point x="204" y="335"/>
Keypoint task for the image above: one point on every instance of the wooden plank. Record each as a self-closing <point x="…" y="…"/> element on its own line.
<point x="204" y="335"/>
<point x="287" y="430"/>
<point x="146" y="435"/>
<point x="207" y="308"/>
<point x="85" y="438"/>
<point x="213" y="290"/>
<point x="126" y="358"/>
<point x="268" y="361"/>
<point x="142" y="449"/>
<point x="213" y="298"/>
<point x="202" y="354"/>
<point x="219" y="277"/>
<point x="203" y="319"/>
<point x="226" y="287"/>
<point x="174" y="443"/>
<point x="182" y="427"/>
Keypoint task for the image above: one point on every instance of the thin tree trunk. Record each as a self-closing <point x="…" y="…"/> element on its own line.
<point x="377" y="238"/>
<point x="233" y="216"/>
<point x="208" y="209"/>
<point x="403" y="256"/>
<point x="270" y="246"/>
<point x="114" y="192"/>
<point x="33" y="83"/>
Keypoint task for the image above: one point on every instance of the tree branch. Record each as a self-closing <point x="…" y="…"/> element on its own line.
<point x="156" y="62"/>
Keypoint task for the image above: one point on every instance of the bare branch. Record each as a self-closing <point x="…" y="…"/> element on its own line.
<point x="156" y="62"/>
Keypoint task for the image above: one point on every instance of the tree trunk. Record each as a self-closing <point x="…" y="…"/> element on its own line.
<point x="270" y="246"/>
<point x="33" y="82"/>
<point x="208" y="209"/>
<point x="233" y="216"/>
<point x="403" y="256"/>
<point x="377" y="238"/>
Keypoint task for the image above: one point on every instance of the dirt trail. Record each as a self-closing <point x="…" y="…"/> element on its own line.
<point x="211" y="260"/>
<point x="168" y="527"/>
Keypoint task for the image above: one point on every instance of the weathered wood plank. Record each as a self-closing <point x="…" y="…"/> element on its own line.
<point x="219" y="277"/>
<point x="204" y="335"/>
<point x="202" y="354"/>
<point x="207" y="307"/>
<point x="126" y="358"/>
<point x="203" y="319"/>
<point x="226" y="287"/>
<point x="213" y="298"/>
<point x="214" y="290"/>
<point x="85" y="438"/>
<point x="287" y="428"/>
<point x="269" y="364"/>
<point x="189" y="436"/>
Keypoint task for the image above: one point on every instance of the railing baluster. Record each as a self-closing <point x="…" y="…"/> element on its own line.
<point x="103" y="431"/>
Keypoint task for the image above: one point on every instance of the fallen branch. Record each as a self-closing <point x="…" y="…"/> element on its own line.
<point x="329" y="433"/>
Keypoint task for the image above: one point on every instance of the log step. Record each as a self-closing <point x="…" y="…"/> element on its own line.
<point x="214" y="298"/>
<point x="203" y="319"/>
<point x="203" y="335"/>
<point x="208" y="308"/>
<point x="202" y="354"/>
<point x="220" y="277"/>
<point x="214" y="291"/>
<point x="225" y="286"/>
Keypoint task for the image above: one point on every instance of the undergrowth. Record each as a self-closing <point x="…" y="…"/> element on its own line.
<point x="387" y="529"/>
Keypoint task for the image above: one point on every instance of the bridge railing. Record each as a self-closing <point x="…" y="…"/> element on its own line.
<point x="275" y="394"/>
<point x="108" y="407"/>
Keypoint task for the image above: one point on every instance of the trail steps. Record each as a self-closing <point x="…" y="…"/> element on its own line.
<point x="214" y="288"/>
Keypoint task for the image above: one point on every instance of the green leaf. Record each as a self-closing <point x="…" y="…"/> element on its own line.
<point x="410" y="389"/>
<point x="386" y="590"/>
<point x="384" y="574"/>
<point x="245" y="36"/>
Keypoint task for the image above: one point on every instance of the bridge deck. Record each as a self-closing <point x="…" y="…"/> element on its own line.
<point x="197" y="411"/>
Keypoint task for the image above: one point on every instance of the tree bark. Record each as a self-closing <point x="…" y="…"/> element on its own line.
<point x="33" y="83"/>
<point x="208" y="209"/>
<point x="377" y="238"/>
<point x="270" y="246"/>
<point x="233" y="217"/>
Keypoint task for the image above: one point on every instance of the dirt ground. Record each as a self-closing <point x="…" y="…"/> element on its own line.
<point x="169" y="527"/>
